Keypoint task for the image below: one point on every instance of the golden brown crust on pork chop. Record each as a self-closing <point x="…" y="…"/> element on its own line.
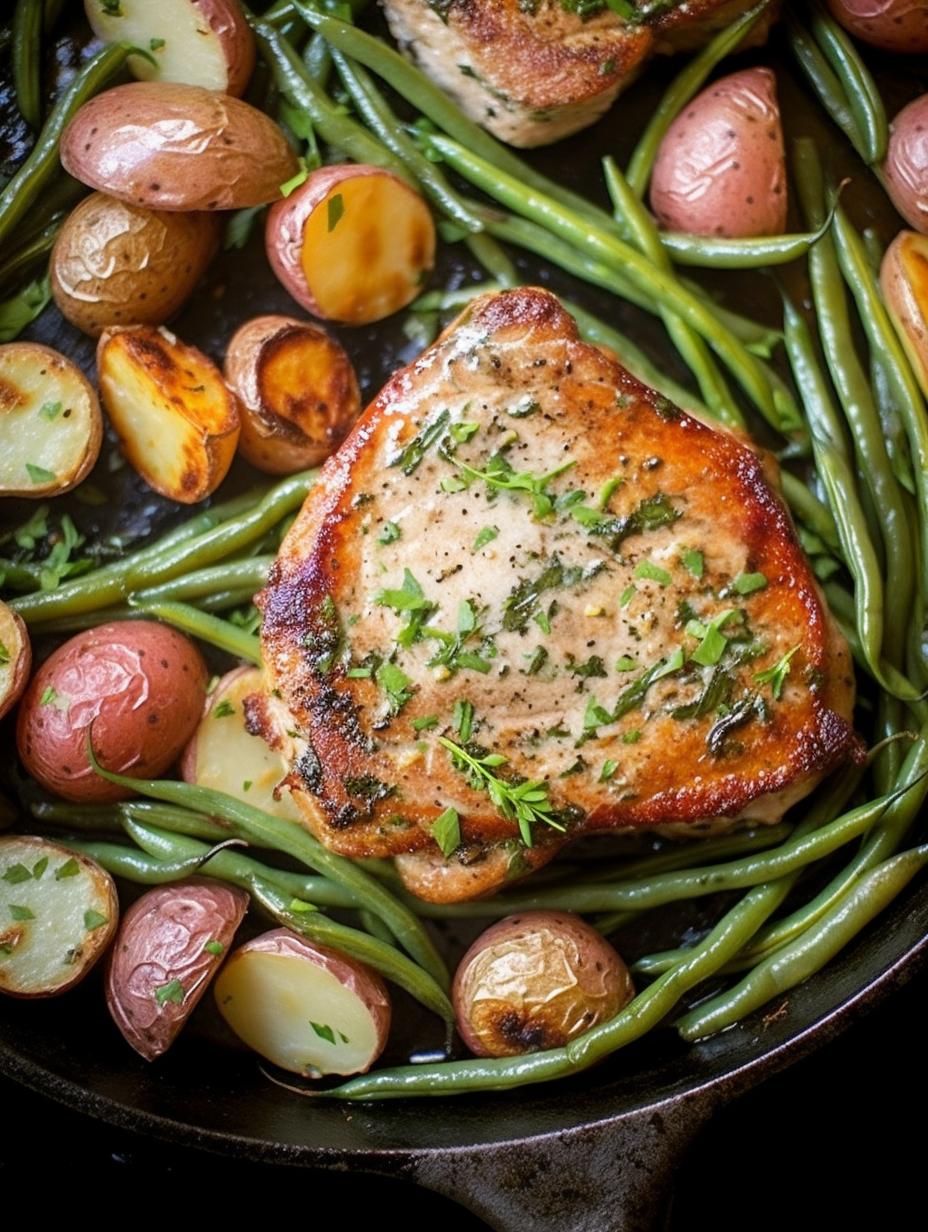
<point x="642" y="633"/>
<point x="532" y="73"/>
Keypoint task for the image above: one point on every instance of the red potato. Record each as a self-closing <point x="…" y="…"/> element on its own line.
<point x="353" y="243"/>
<point x="139" y="683"/>
<point x="904" y="281"/>
<point x="304" y="1007"/>
<point x="171" y="943"/>
<point x="297" y="389"/>
<point x="536" y="980"/>
<point x="225" y="755"/>
<point x="15" y="658"/>
<point x="721" y="168"/>
<point x="58" y="914"/>
<point x="197" y="42"/>
<point x="906" y="165"/>
<point x="177" y="147"/>
<point x="176" y="419"/>
<point x="894" y="25"/>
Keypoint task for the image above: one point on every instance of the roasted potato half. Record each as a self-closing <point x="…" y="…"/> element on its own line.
<point x="353" y="243"/>
<point x="906" y="165"/>
<point x="58" y="913"/>
<point x="198" y="42"/>
<point x="904" y="280"/>
<point x="177" y="147"/>
<point x="120" y="264"/>
<point x="15" y="658"/>
<point x="171" y="942"/>
<point x="177" y="420"/>
<point x="298" y="392"/>
<point x="224" y="754"/>
<point x="50" y="422"/>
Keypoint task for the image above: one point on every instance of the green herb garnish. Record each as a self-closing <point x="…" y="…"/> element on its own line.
<point x="776" y="675"/>
<point x="487" y="535"/>
<point x="747" y="583"/>
<point x="389" y="533"/>
<point x="525" y="803"/>
<point x="51" y="410"/>
<point x="93" y="920"/>
<point x="446" y="831"/>
<point x="38" y="474"/>
<point x="335" y="207"/>
<point x="20" y="913"/>
<point x="395" y="683"/>
<point x="654" y="573"/>
<point x="173" y="991"/>
<point x="223" y="710"/>
<point x="214" y="947"/>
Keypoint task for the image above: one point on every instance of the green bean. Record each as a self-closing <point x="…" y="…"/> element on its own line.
<point x="711" y="252"/>
<point x="680" y="854"/>
<point x="761" y="340"/>
<point x="30" y="180"/>
<point x="246" y="575"/>
<point x="639" y="1016"/>
<point x="375" y="926"/>
<point x="897" y="445"/>
<point x="126" y="862"/>
<point x="375" y="112"/>
<point x="27" y="60"/>
<point x="28" y="254"/>
<point x="163" y="562"/>
<point x="809" y="510"/>
<point x="257" y="826"/>
<point x="629" y="263"/>
<point x="692" y="348"/>
<point x="824" y="82"/>
<point x="859" y="87"/>
<point x="684" y="87"/>
<point x="485" y="250"/>
<point x="795" y="962"/>
<point x="210" y="629"/>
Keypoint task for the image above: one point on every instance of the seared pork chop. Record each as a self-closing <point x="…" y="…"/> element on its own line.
<point x="533" y="72"/>
<point x="525" y="566"/>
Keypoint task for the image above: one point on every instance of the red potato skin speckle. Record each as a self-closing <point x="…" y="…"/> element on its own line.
<point x="141" y="685"/>
<point x="894" y="25"/>
<point x="906" y="166"/>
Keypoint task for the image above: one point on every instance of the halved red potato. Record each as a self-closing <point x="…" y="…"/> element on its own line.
<point x="177" y="147"/>
<point x="50" y="422"/>
<point x="304" y="1007"/>
<point x="120" y="264"/>
<point x="176" y="419"/>
<point x="58" y="913"/>
<point x="906" y="165"/>
<point x="721" y="167"/>
<point x="198" y="42"/>
<point x="223" y="753"/>
<point x="353" y="243"/>
<point x="298" y="392"/>
<point x="536" y="980"/>
<point x="15" y="658"/>
<point x="171" y="943"/>
<point x="894" y="25"/>
<point x="138" y="683"/>
<point x="904" y="281"/>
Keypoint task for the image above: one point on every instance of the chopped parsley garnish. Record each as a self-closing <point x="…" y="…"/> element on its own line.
<point x="653" y="573"/>
<point x="594" y="666"/>
<point x="749" y="707"/>
<point x="427" y="721"/>
<point x="38" y="474"/>
<point x="712" y="641"/>
<point x="487" y="535"/>
<point x="335" y="207"/>
<point x="326" y="637"/>
<point x="694" y="562"/>
<point x="523" y="408"/>
<point x="627" y="595"/>
<point x="536" y="661"/>
<point x="93" y="920"/>
<point x="715" y="693"/>
<point x="409" y="598"/>
<point x="652" y="513"/>
<point x="525" y="803"/>
<point x="172" y="992"/>
<point x="395" y="683"/>
<point x="16" y="874"/>
<point x="499" y="474"/>
<point x="214" y="947"/>
<point x="631" y="737"/>
<point x="70" y="868"/>
<point x="224" y="709"/>
<point x="390" y="533"/>
<point x="625" y="664"/>
<point x="462" y="432"/>
<point x="359" y="673"/>
<point x="776" y="675"/>
<point x="20" y="913"/>
<point x="413" y="453"/>
<point x="462" y="720"/>
<point x="155" y="44"/>
<point x="4" y="655"/>
<point x="324" y="1031"/>
<point x="446" y="831"/>
<point x="39" y="867"/>
<point x="747" y="583"/>
<point x="519" y="606"/>
<point x="51" y="697"/>
<point x="112" y="8"/>
<point x="51" y="410"/>
<point x="608" y="770"/>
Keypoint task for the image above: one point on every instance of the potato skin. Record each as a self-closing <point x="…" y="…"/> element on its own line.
<point x="140" y="684"/>
<point x="906" y="165"/>
<point x="120" y="264"/>
<point x="16" y="649"/>
<point x="904" y="282"/>
<point x="894" y="25"/>
<point x="222" y="18"/>
<point x="177" y="147"/>
<point x="536" y="980"/>
<point x="298" y="392"/>
<point x="721" y="167"/>
<point x="163" y="937"/>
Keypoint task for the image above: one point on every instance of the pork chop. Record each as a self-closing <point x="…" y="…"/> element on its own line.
<point x="525" y="566"/>
<point x="533" y="71"/>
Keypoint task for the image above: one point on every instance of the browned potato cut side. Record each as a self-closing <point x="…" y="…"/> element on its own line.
<point x="198" y="42"/>
<point x="58" y="913"/>
<point x="904" y="280"/>
<point x="50" y="422"/>
<point x="119" y="264"/>
<point x="15" y="658"/>
<point x="225" y="755"/>
<point x="177" y="147"/>
<point x="354" y="243"/>
<point x="304" y="1007"/>
<point x="537" y="980"/>
<point x="171" y="942"/>
<point x="177" y="421"/>
<point x="298" y="392"/>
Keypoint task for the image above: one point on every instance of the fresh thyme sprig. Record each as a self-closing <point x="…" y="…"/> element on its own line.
<point x="525" y="803"/>
<point x="499" y="474"/>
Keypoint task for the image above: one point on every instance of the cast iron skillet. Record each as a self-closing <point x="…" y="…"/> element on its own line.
<point x="592" y="1154"/>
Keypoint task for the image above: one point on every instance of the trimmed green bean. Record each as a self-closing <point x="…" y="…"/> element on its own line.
<point x="684" y="87"/>
<point x="823" y="80"/>
<point x="859" y="87"/>
<point x="211" y="629"/>
<point x="27" y="60"/>
<point x="29" y="181"/>
<point x="244" y="575"/>
<point x="809" y="510"/>
<point x="711" y="252"/>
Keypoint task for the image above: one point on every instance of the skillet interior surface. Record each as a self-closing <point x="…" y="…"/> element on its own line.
<point x="206" y="1090"/>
